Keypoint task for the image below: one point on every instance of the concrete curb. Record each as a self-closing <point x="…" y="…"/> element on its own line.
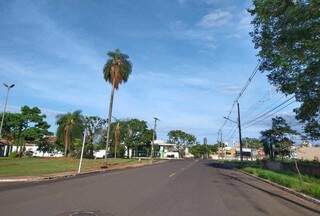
<point x="74" y="174"/>
<point x="289" y="190"/>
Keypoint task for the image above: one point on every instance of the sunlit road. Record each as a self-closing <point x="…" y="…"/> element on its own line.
<point x="186" y="188"/>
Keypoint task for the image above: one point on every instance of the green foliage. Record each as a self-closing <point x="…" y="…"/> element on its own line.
<point x="117" y="69"/>
<point x="181" y="139"/>
<point x="133" y="133"/>
<point x="202" y="150"/>
<point x="310" y="185"/>
<point x="214" y="148"/>
<point x="70" y="128"/>
<point x="27" y="126"/>
<point x="287" y="36"/>
<point x="13" y="155"/>
<point x="120" y="150"/>
<point x="252" y="143"/>
<point x="44" y="145"/>
<point x="277" y="137"/>
<point x="220" y="144"/>
<point x="94" y="126"/>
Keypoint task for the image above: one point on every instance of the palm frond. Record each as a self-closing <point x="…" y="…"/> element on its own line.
<point x="117" y="68"/>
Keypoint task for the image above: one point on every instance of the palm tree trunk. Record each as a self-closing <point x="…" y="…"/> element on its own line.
<point x="66" y="142"/>
<point x="109" y="121"/>
<point x="115" y="150"/>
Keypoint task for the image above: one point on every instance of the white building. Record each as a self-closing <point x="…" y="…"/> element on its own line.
<point x="167" y="150"/>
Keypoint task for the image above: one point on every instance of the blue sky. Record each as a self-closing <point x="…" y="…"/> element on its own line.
<point x="190" y="59"/>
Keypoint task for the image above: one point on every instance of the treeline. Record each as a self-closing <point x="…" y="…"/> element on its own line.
<point x="276" y="141"/>
<point x="30" y="126"/>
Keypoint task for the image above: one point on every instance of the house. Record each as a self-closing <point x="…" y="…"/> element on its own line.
<point x="167" y="150"/>
<point x="308" y="153"/>
<point x="5" y="147"/>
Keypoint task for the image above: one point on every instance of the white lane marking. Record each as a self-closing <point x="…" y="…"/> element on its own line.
<point x="172" y="174"/>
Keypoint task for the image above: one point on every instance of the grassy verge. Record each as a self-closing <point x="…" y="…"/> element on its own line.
<point x="10" y="167"/>
<point x="309" y="185"/>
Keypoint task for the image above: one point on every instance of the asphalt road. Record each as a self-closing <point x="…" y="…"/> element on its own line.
<point x="186" y="188"/>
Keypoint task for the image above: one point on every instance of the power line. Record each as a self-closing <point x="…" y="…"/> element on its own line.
<point x="268" y="116"/>
<point x="255" y="70"/>
<point x="269" y="111"/>
<point x="264" y="104"/>
<point x="233" y="133"/>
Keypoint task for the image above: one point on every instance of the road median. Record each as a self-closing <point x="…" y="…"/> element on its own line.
<point x="17" y="169"/>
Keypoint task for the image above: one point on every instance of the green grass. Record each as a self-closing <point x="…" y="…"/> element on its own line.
<point x="41" y="166"/>
<point x="309" y="185"/>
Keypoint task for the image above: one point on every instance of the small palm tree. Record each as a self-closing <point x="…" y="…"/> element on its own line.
<point x="66" y="124"/>
<point x="116" y="71"/>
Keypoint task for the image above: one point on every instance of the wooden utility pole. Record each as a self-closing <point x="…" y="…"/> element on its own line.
<point x="239" y="126"/>
<point x="154" y="135"/>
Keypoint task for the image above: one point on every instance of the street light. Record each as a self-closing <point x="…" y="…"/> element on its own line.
<point x="5" y="105"/>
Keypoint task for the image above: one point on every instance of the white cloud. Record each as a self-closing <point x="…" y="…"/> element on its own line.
<point x="230" y="89"/>
<point x="243" y="26"/>
<point x="245" y="20"/>
<point x="199" y="36"/>
<point x="215" y="19"/>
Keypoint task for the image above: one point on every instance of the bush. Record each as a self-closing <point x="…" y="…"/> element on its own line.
<point x="13" y="155"/>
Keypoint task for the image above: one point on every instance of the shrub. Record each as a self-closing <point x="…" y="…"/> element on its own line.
<point x="13" y="155"/>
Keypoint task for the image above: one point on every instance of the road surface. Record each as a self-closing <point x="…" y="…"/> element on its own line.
<point x="175" y="188"/>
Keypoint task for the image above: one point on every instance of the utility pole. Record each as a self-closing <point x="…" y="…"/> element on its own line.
<point x="239" y="126"/>
<point x="154" y="135"/>
<point x="5" y="105"/>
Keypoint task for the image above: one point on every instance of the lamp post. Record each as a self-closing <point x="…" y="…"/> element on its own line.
<point x="5" y="105"/>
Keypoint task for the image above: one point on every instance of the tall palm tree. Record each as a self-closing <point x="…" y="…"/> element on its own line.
<point x="117" y="138"/>
<point x="68" y="124"/>
<point x="116" y="71"/>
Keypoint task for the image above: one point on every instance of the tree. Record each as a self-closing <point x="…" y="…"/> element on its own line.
<point x="181" y="139"/>
<point x="117" y="137"/>
<point x="134" y="134"/>
<point x="200" y="151"/>
<point x="27" y="126"/>
<point x="276" y="140"/>
<point x="94" y="126"/>
<point x="252" y="143"/>
<point x="287" y="36"/>
<point x="116" y="71"/>
<point x="70" y="127"/>
<point x="45" y="145"/>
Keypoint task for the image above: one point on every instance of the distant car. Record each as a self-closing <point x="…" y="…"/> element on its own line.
<point x="99" y="154"/>
<point x="28" y="153"/>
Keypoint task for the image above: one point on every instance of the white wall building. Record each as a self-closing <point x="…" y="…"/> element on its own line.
<point x="167" y="150"/>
